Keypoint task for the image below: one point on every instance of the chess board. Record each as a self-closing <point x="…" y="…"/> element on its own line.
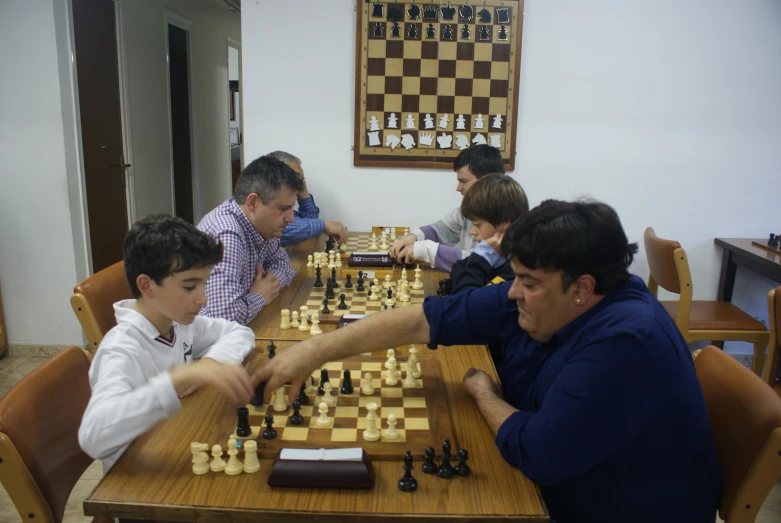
<point x="361" y="243"/>
<point x="422" y="413"/>
<point x="431" y="79"/>
<point x="359" y="302"/>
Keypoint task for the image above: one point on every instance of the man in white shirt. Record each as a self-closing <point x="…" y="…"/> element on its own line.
<point x="145" y="365"/>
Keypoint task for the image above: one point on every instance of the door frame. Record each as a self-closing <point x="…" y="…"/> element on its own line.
<point x="236" y="45"/>
<point x="186" y="25"/>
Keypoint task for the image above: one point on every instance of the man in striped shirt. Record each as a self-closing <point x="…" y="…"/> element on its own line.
<point x="308" y="223"/>
<point x="249" y="224"/>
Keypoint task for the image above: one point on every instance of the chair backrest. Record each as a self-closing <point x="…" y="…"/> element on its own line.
<point x="774" y="346"/>
<point x="669" y="269"/>
<point x="39" y="445"/>
<point x="745" y="417"/>
<point x="93" y="301"/>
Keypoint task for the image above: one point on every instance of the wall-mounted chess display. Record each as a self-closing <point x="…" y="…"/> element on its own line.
<point x="434" y="77"/>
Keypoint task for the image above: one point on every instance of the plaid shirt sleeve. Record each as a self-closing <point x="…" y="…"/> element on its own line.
<point x="226" y="296"/>
<point x="306" y="225"/>
<point x="276" y="260"/>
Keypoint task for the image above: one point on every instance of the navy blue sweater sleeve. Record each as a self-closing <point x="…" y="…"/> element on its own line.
<point x="604" y="394"/>
<point x="475" y="317"/>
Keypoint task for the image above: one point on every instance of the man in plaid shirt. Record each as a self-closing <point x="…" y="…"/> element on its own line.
<point x="254" y="266"/>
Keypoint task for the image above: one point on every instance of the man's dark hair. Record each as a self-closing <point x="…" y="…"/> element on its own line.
<point x="161" y="245"/>
<point x="265" y="177"/>
<point x="583" y="237"/>
<point x="495" y="198"/>
<point x="481" y="159"/>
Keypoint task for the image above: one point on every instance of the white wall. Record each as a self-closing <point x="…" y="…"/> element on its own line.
<point x="668" y="111"/>
<point x="37" y="259"/>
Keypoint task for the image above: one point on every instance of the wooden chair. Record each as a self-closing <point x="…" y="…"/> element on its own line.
<point x="770" y="374"/>
<point x="93" y="301"/>
<point x="40" y="457"/>
<point x="745" y="417"/>
<point x="699" y="320"/>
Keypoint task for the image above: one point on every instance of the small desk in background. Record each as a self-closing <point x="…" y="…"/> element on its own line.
<point x="742" y="252"/>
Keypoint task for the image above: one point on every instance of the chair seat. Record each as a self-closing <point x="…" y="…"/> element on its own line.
<point x="716" y="315"/>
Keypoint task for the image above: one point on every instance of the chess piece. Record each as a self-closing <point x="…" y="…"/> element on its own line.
<point x="374" y="293"/>
<point x="461" y="122"/>
<point x="429" y="467"/>
<point x="503" y="16"/>
<point x="304" y="326"/>
<point x="384" y="242"/>
<point x="377" y="11"/>
<point x="325" y="310"/>
<point x="485" y="34"/>
<point x="395" y="30"/>
<point x="323" y="420"/>
<point x="294" y="322"/>
<point x="390" y="353"/>
<point x="462" y="141"/>
<point x="342" y="305"/>
<point x="251" y="463"/>
<point x="496" y="140"/>
<point x="200" y="457"/>
<point x="447" y="32"/>
<point x="387" y="282"/>
<point x="378" y="29"/>
<point x="445" y="468"/>
<point x="392" y="141"/>
<point x="465" y="32"/>
<point x="367" y="388"/>
<point x="374" y="138"/>
<point x="412" y="32"/>
<point x="234" y="466"/>
<point x="413" y="12"/>
<point x="315" y="328"/>
<point x="408" y="483"/>
<point x="404" y="295"/>
<point x="428" y="122"/>
<point x="418" y="282"/>
<point x="347" y="382"/>
<point x="243" y="429"/>
<point x="479" y="139"/>
<point x="462" y="469"/>
<point x="280" y="400"/>
<point x="331" y="260"/>
<point x="285" y="319"/>
<point x="502" y="33"/>
<point x="296" y="418"/>
<point x="410" y="122"/>
<point x="373" y="246"/>
<point x="479" y="121"/>
<point x="392" y="121"/>
<point x="391" y="432"/>
<point x="349" y="283"/>
<point x="371" y="433"/>
<point x="497" y="122"/>
<point x="445" y="141"/>
<point x="328" y="398"/>
<point x="391" y="378"/>
<point x="310" y="261"/>
<point x="323" y="380"/>
<point x="413" y="358"/>
<point x="271" y="349"/>
<point x="309" y="389"/>
<point x="409" y="378"/>
<point x="302" y="398"/>
<point x="430" y="31"/>
<point x="338" y="263"/>
<point x="444" y="120"/>
<point x="217" y="464"/>
<point x="374" y="125"/>
<point x="485" y="16"/>
<point x="388" y="304"/>
<point x="269" y="432"/>
<point x="257" y="398"/>
<point x="318" y="280"/>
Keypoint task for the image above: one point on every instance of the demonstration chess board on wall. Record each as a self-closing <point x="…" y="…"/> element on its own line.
<point x="422" y="413"/>
<point x="433" y="78"/>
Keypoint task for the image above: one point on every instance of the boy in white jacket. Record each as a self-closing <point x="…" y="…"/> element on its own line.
<point x="144" y="365"/>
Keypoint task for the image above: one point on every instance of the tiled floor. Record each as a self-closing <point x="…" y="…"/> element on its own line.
<point x="13" y="369"/>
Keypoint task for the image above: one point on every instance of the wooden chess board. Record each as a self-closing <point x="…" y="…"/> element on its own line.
<point x="362" y="242"/>
<point x="358" y="302"/>
<point x="419" y="62"/>
<point x="422" y="413"/>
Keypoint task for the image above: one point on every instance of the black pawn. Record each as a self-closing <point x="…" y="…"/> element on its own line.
<point x="257" y="398"/>
<point x="329" y="291"/>
<point x="390" y="293"/>
<point x="347" y="383"/>
<point x="429" y="467"/>
<point x="333" y="278"/>
<point x="349" y="283"/>
<point x="448" y="33"/>
<point x="503" y="33"/>
<point x="302" y="399"/>
<point x="323" y="381"/>
<point x="272" y="349"/>
<point x="325" y="310"/>
<point x="446" y="470"/>
<point x="269" y="433"/>
<point x="318" y="280"/>
<point x="395" y="30"/>
<point x="360" y="287"/>
<point x="465" y="32"/>
<point x="242" y="427"/>
<point x="342" y="305"/>
<point x="430" y="31"/>
<point x="408" y="483"/>
<point x="462" y="469"/>
<point x="296" y="418"/>
<point x="329" y="244"/>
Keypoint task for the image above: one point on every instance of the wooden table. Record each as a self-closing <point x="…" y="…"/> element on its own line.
<point x="154" y="479"/>
<point x="741" y="252"/>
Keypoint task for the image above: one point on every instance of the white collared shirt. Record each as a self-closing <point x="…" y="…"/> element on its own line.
<point x="131" y="387"/>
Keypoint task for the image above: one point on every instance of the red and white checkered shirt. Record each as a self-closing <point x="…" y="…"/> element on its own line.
<point x="227" y="290"/>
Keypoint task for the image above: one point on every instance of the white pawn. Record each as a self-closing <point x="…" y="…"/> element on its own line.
<point x="328" y="398"/>
<point x="200" y="457"/>
<point x="403" y="296"/>
<point x="323" y="420"/>
<point x="410" y="121"/>
<point x="391" y="432"/>
<point x="383" y="242"/>
<point x="251" y="463"/>
<point x="387" y="282"/>
<point x="389" y="303"/>
<point x="497" y="122"/>
<point x="315" y="328"/>
<point x="375" y="293"/>
<point x="413" y="356"/>
<point x="285" y="319"/>
<point x="389" y="354"/>
<point x="304" y="326"/>
<point x="428" y="121"/>
<point x="373" y="246"/>
<point x="371" y="433"/>
<point x="331" y="260"/>
<point x="418" y="282"/>
<point x="409" y="378"/>
<point x="309" y="388"/>
<point x="234" y="466"/>
<point x="366" y="384"/>
<point x="338" y="263"/>
<point x="444" y="120"/>
<point x="294" y="322"/>
<point x="217" y="464"/>
<point x="280" y="399"/>
<point x="393" y="236"/>
<point x="390" y="376"/>
<point x="310" y="261"/>
<point x="392" y="121"/>
<point x="404" y="274"/>
<point x="479" y="121"/>
<point x="374" y="124"/>
<point x="460" y="122"/>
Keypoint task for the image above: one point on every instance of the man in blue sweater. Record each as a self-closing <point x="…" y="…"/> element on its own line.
<point x="307" y="222"/>
<point x="599" y="402"/>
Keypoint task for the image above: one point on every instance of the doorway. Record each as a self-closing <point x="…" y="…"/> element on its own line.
<point x="97" y="71"/>
<point x="234" y="109"/>
<point x="179" y="100"/>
